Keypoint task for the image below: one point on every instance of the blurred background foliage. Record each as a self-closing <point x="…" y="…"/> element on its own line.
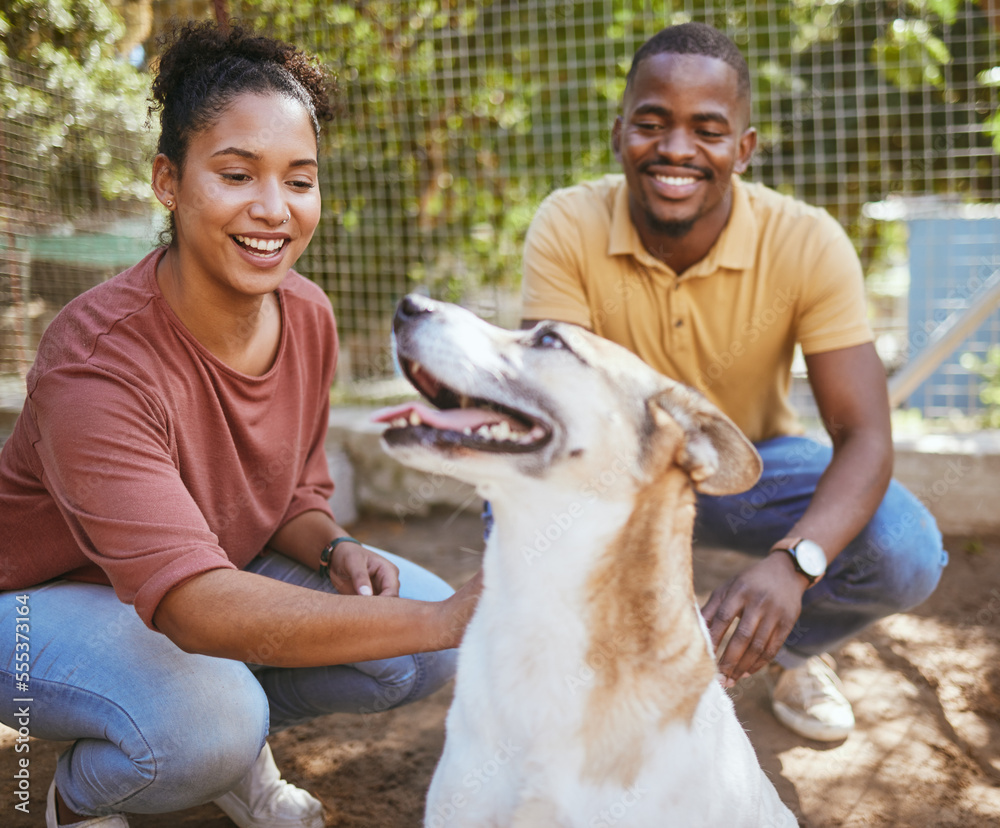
<point x="987" y="367"/>
<point x="86" y="114"/>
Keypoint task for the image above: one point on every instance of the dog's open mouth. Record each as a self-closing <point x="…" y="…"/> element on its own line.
<point x="459" y="420"/>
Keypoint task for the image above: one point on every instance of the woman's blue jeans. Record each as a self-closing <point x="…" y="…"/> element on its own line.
<point x="155" y="729"/>
<point x="891" y="566"/>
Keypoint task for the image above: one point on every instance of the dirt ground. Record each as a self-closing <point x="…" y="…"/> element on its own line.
<point x="925" y="688"/>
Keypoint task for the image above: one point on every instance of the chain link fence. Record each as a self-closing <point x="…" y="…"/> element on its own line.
<point x="459" y="117"/>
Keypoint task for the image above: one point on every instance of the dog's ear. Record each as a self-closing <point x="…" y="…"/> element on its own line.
<point x="717" y="456"/>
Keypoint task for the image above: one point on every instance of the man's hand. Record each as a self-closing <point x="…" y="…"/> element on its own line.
<point x="356" y="570"/>
<point x="767" y="598"/>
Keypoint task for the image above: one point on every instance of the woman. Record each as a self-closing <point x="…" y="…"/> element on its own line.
<point x="170" y="456"/>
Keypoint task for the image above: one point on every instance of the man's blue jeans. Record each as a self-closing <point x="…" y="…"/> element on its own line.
<point x="157" y="730"/>
<point x="891" y="566"/>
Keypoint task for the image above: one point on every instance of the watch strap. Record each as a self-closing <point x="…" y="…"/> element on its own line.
<point x="324" y="556"/>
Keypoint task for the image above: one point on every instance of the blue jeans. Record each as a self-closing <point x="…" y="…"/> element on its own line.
<point x="157" y="730"/>
<point x="891" y="566"/>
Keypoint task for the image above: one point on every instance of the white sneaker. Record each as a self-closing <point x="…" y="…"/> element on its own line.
<point x="809" y="700"/>
<point x="113" y="821"/>
<point x="262" y="799"/>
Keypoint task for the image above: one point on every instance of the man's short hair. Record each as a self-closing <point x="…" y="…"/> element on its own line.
<point x="694" y="39"/>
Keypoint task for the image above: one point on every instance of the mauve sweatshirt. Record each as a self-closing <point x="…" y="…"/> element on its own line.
<point x="140" y="460"/>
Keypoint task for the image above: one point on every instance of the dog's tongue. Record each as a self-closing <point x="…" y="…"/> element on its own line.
<point x="453" y="419"/>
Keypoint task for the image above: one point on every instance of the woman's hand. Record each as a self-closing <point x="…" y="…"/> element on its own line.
<point x="357" y="570"/>
<point x="458" y="610"/>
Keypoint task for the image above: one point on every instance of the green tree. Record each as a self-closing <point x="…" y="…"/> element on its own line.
<point x="987" y="367"/>
<point x="73" y="105"/>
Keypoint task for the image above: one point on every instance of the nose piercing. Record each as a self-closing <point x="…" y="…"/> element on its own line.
<point x="286" y="218"/>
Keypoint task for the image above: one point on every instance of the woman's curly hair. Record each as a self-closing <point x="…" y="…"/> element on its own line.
<point x="203" y="68"/>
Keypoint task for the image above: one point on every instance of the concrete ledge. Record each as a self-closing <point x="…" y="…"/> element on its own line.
<point x="956" y="477"/>
<point x="381" y="484"/>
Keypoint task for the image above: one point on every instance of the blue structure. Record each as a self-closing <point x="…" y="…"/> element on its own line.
<point x="951" y="258"/>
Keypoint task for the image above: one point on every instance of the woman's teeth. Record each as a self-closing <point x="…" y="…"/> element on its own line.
<point x="261" y="247"/>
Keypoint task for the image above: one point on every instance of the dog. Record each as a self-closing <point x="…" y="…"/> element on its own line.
<point x="586" y="692"/>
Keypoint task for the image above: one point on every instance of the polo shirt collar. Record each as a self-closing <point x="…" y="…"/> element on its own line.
<point x="735" y="249"/>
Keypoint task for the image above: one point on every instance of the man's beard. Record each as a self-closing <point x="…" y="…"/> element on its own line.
<point x="673" y="229"/>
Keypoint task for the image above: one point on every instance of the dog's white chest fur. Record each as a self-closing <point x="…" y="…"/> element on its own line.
<point x="518" y="743"/>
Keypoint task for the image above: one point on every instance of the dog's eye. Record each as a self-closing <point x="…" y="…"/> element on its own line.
<point x="548" y="339"/>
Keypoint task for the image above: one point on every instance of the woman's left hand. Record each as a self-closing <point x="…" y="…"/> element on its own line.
<point x="356" y="570"/>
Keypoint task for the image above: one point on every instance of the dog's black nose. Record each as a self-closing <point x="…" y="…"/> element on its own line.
<point x="412" y="306"/>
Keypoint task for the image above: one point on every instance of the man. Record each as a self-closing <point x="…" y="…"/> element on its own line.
<point x="713" y="282"/>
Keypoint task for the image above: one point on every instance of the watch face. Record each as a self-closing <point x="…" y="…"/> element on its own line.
<point x="811" y="557"/>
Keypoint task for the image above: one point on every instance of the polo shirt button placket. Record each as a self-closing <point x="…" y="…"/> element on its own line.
<point x="678" y="308"/>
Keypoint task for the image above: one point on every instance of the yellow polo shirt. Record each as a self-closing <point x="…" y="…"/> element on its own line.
<point x="781" y="272"/>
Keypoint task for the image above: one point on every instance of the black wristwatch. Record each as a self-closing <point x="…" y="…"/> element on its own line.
<point x="808" y="556"/>
<point x="324" y="556"/>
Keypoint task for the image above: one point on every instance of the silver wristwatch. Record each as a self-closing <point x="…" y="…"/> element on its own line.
<point x="808" y="556"/>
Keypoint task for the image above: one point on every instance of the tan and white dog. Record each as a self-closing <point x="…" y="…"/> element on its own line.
<point x="586" y="693"/>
